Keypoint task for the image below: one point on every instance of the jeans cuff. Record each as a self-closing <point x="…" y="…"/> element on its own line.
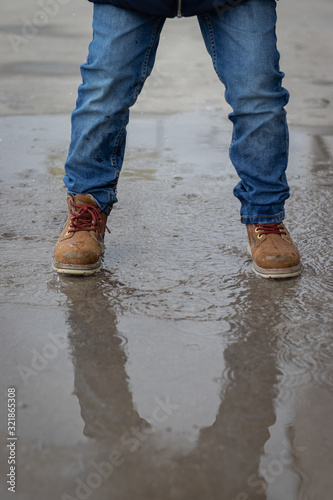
<point x="262" y="215"/>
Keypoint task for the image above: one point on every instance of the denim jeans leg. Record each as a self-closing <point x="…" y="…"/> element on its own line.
<point x="242" y="43"/>
<point x="121" y="57"/>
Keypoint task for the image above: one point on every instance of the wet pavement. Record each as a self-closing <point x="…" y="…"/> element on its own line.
<point x="175" y="372"/>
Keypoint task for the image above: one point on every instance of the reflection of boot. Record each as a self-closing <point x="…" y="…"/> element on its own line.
<point x="99" y="359"/>
<point x="226" y="461"/>
<point x="80" y="246"/>
<point x="274" y="253"/>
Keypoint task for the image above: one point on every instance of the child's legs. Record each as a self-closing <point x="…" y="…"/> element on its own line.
<point x="121" y="57"/>
<point x="242" y="43"/>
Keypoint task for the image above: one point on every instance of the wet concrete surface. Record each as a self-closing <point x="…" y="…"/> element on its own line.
<point x="198" y="378"/>
<point x="175" y="372"/>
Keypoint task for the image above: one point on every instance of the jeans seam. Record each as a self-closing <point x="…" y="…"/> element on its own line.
<point x="261" y="215"/>
<point x="212" y="42"/>
<point x="146" y="59"/>
<point x="136" y="94"/>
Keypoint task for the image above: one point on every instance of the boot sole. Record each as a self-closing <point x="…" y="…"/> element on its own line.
<point x="77" y="270"/>
<point x="289" y="272"/>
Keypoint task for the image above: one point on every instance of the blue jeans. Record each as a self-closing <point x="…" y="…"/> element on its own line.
<point x="242" y="45"/>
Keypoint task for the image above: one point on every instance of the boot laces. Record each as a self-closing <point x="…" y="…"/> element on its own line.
<point x="86" y="218"/>
<point x="273" y="228"/>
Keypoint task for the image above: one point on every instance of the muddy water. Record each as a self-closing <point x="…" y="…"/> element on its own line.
<point x="174" y="373"/>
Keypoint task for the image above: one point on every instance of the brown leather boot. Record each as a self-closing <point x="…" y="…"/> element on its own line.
<point x="274" y="253"/>
<point x="80" y="246"/>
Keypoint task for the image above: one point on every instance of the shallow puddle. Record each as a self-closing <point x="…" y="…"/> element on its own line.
<point x="175" y="372"/>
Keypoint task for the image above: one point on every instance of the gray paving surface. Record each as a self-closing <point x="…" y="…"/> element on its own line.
<point x="175" y="373"/>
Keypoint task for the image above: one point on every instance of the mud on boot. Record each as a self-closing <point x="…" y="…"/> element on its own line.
<point x="81" y="244"/>
<point x="274" y="253"/>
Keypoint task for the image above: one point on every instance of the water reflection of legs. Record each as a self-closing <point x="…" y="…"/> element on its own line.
<point x="100" y="379"/>
<point x="225" y="461"/>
